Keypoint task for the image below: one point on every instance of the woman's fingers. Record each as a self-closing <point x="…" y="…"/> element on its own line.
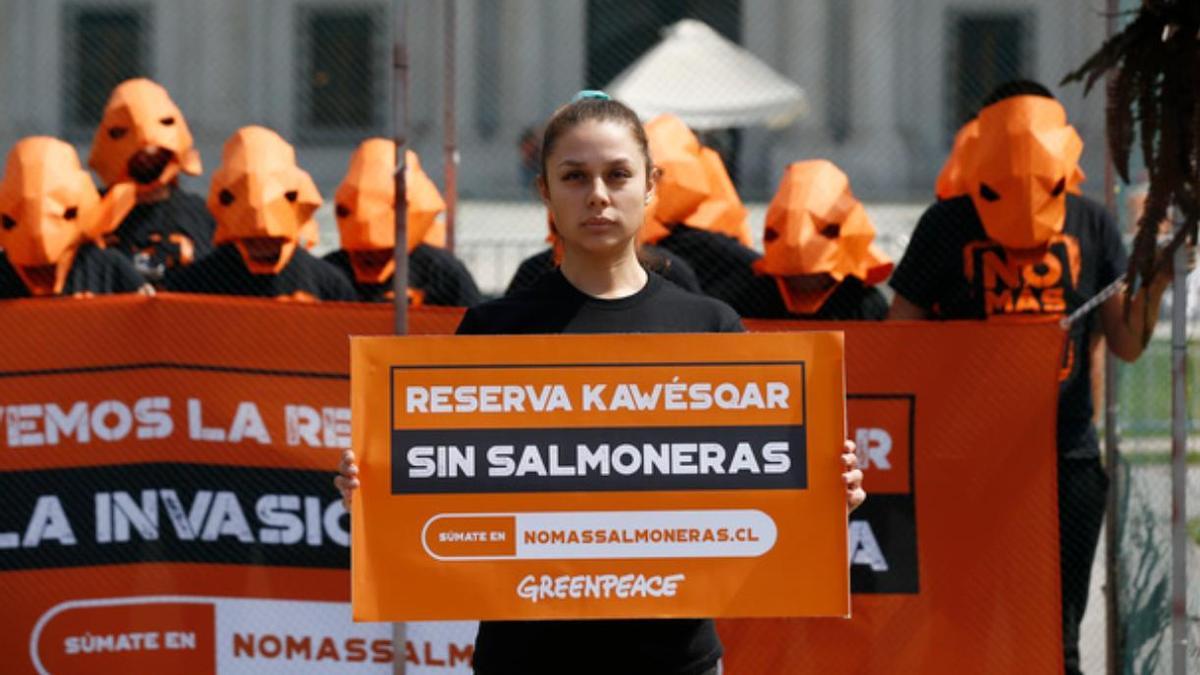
<point x="852" y="476"/>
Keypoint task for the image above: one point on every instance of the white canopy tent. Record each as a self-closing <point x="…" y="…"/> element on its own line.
<point x="708" y="81"/>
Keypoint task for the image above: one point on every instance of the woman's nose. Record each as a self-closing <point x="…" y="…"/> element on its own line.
<point x="598" y="195"/>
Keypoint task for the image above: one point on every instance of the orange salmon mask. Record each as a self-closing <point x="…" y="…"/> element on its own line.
<point x="48" y="207"/>
<point x="1018" y="167"/>
<point x="260" y="199"/>
<point x="142" y="138"/>
<point x="682" y="183"/>
<point x="722" y="211"/>
<point x="952" y="181"/>
<point x="366" y="208"/>
<point x="815" y="227"/>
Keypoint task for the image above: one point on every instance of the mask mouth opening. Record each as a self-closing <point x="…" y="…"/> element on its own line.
<point x="145" y="167"/>
<point x="264" y="250"/>
<point x="41" y="278"/>
<point x="370" y="262"/>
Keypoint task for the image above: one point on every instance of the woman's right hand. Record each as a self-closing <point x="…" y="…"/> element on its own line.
<point x="347" y="479"/>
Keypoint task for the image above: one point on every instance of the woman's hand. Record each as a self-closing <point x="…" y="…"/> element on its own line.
<point x="347" y="479"/>
<point x="851" y="475"/>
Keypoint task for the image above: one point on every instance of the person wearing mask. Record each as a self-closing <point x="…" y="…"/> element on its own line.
<point x="1017" y="243"/>
<point x="365" y="209"/>
<point x="144" y="140"/>
<point x="261" y="199"/>
<point x="48" y="208"/>
<point x="820" y="260"/>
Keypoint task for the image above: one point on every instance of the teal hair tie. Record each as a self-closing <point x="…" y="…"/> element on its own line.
<point x="592" y="95"/>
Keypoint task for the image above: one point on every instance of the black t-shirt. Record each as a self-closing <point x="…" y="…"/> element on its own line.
<point x="953" y="270"/>
<point x="760" y="298"/>
<point x="95" y="271"/>
<point x="163" y="235"/>
<point x="223" y="272"/>
<point x="722" y="265"/>
<point x="654" y="258"/>
<point x="627" y="647"/>
<point x="441" y="278"/>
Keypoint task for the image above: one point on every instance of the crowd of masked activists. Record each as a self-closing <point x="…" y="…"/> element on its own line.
<point x="252" y="234"/>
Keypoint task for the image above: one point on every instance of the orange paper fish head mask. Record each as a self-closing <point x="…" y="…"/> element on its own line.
<point x="48" y="207"/>
<point x="1019" y="167"/>
<point x="260" y="199"/>
<point x="365" y="208"/>
<point x="682" y="181"/>
<point x="817" y="230"/>
<point x="143" y="138"/>
<point x="722" y="210"/>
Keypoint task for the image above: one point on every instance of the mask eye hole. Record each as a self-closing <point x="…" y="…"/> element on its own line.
<point x="988" y="193"/>
<point x="1059" y="187"/>
<point x="225" y="197"/>
<point x="167" y="121"/>
<point x="117" y="133"/>
<point x="8" y="222"/>
<point x="291" y="195"/>
<point x="831" y="231"/>
<point x="70" y="213"/>
<point x="342" y="211"/>
<point x="770" y="234"/>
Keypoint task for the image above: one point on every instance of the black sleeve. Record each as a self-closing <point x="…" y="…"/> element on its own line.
<point x="922" y="271"/>
<point x="874" y="305"/>
<point x="731" y="322"/>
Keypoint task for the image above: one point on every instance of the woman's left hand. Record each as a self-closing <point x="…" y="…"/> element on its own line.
<point x="853" y="477"/>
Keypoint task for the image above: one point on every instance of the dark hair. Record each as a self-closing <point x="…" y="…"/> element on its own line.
<point x="575" y="113"/>
<point x="1016" y="88"/>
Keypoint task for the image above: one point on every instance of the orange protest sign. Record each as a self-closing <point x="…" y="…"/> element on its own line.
<point x="954" y="555"/>
<point x="511" y="477"/>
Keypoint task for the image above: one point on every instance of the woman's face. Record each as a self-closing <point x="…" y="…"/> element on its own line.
<point x="596" y="187"/>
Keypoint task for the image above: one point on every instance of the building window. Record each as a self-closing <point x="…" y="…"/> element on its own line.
<point x="987" y="50"/>
<point x="343" y="66"/>
<point x="619" y="31"/>
<point x="838" y="70"/>
<point x="105" y="46"/>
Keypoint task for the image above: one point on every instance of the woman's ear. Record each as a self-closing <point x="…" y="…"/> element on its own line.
<point x="543" y="189"/>
<point x="652" y="182"/>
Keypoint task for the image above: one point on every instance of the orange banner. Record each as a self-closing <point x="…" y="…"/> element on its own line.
<point x="165" y="490"/>
<point x="954" y="556"/>
<point x="599" y="476"/>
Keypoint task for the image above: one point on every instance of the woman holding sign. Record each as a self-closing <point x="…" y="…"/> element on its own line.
<point x="596" y="179"/>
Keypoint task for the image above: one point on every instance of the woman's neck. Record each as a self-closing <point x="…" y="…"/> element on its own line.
<point x="604" y="277"/>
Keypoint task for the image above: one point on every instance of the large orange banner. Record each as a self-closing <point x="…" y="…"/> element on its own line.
<point x="166" y="501"/>
<point x="605" y="476"/>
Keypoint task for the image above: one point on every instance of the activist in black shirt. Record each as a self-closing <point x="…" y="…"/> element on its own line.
<point x="654" y="258"/>
<point x="724" y="267"/>
<point x="143" y="140"/>
<point x="1019" y="244"/>
<point x="820" y="261"/>
<point x="366" y="219"/>
<point x="437" y="275"/>
<point x="224" y="272"/>
<point x="261" y="201"/>
<point x="597" y="177"/>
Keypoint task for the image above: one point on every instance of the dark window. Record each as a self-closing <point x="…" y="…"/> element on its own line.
<point x="837" y="70"/>
<point x="105" y="46"/>
<point x="341" y="87"/>
<point x="619" y="31"/>
<point x="487" y="68"/>
<point x="989" y="49"/>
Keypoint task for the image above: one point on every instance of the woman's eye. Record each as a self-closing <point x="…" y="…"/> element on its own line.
<point x="621" y="174"/>
<point x="572" y="175"/>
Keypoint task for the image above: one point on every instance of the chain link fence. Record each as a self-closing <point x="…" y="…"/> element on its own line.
<point x="885" y="87"/>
